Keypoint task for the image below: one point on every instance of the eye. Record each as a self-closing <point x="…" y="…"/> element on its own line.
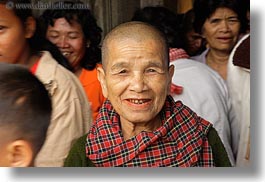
<point x="73" y="35"/>
<point x="150" y="70"/>
<point x="54" y="36"/>
<point x="2" y="28"/>
<point x="124" y="71"/>
<point x="233" y="20"/>
<point x="215" y="20"/>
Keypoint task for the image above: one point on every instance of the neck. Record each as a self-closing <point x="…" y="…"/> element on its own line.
<point x="27" y="58"/>
<point x="130" y="129"/>
<point x="218" y="62"/>
<point x="32" y="61"/>
<point x="77" y="70"/>
<point x="217" y="57"/>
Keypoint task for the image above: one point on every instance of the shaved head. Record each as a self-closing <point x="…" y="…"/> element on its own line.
<point x="135" y="31"/>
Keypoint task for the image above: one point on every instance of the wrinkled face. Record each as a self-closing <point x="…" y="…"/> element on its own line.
<point x="69" y="38"/>
<point x="221" y="30"/>
<point x="136" y="79"/>
<point x="12" y="37"/>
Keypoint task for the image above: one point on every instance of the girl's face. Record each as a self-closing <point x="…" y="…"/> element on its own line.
<point x="13" y="37"/>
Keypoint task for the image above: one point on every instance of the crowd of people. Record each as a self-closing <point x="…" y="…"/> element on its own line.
<point x="161" y="90"/>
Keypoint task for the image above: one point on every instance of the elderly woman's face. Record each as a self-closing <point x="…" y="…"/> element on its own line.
<point x="221" y="30"/>
<point x="137" y="79"/>
<point x="69" y="38"/>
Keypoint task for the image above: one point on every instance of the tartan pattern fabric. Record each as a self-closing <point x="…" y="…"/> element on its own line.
<point x="180" y="141"/>
<point x="176" y="53"/>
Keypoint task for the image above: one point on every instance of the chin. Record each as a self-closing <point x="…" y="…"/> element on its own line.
<point x="139" y="118"/>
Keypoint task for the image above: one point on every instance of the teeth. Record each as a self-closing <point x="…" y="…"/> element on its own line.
<point x="66" y="53"/>
<point x="136" y="101"/>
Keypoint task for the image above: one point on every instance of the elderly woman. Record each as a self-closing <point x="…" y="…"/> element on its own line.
<point x="220" y="22"/>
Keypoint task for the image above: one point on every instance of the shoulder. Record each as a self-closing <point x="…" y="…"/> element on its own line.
<point x="50" y="71"/>
<point x="77" y="155"/>
<point x="201" y="57"/>
<point x="88" y="76"/>
<point x="220" y="155"/>
<point x="202" y="71"/>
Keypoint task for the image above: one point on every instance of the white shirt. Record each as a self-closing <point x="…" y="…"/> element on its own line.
<point x="205" y="92"/>
<point x="238" y="81"/>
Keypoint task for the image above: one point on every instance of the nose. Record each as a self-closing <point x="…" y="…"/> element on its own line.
<point x="224" y="26"/>
<point x="137" y="83"/>
<point x="62" y="42"/>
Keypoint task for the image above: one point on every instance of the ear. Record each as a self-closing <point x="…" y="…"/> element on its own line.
<point x="20" y="154"/>
<point x="171" y="73"/>
<point x="102" y="80"/>
<point x="30" y="25"/>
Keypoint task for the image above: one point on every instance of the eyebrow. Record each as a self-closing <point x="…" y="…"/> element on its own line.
<point x="57" y="31"/>
<point x="119" y="65"/>
<point x="126" y="64"/>
<point x="53" y="31"/>
<point x="229" y="17"/>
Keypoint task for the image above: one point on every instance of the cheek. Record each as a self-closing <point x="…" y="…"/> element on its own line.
<point x="4" y="156"/>
<point x="208" y="30"/>
<point x="11" y="50"/>
<point x="116" y="86"/>
<point x="158" y="85"/>
<point x="78" y="45"/>
<point x="207" y="34"/>
<point x="236" y="29"/>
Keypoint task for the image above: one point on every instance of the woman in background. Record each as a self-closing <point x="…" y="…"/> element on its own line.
<point x="76" y="34"/>
<point x="220" y="22"/>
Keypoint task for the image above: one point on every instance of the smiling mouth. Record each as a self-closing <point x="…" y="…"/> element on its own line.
<point x="138" y="101"/>
<point x="224" y="38"/>
<point x="66" y="53"/>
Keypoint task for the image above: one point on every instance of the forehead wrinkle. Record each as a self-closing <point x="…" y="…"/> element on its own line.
<point x="131" y="63"/>
<point x="137" y="31"/>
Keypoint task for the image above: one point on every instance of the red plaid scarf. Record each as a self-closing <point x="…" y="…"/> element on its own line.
<point x="175" y="53"/>
<point x="180" y="141"/>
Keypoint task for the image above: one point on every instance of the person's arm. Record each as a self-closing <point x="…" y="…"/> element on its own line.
<point x="77" y="155"/>
<point x="219" y="153"/>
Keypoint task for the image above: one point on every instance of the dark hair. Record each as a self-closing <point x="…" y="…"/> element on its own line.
<point x="187" y="21"/>
<point x="84" y="17"/>
<point x="25" y="106"/>
<point x="203" y="9"/>
<point x="36" y="43"/>
<point x="186" y="26"/>
<point x="164" y="20"/>
<point x="22" y="13"/>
